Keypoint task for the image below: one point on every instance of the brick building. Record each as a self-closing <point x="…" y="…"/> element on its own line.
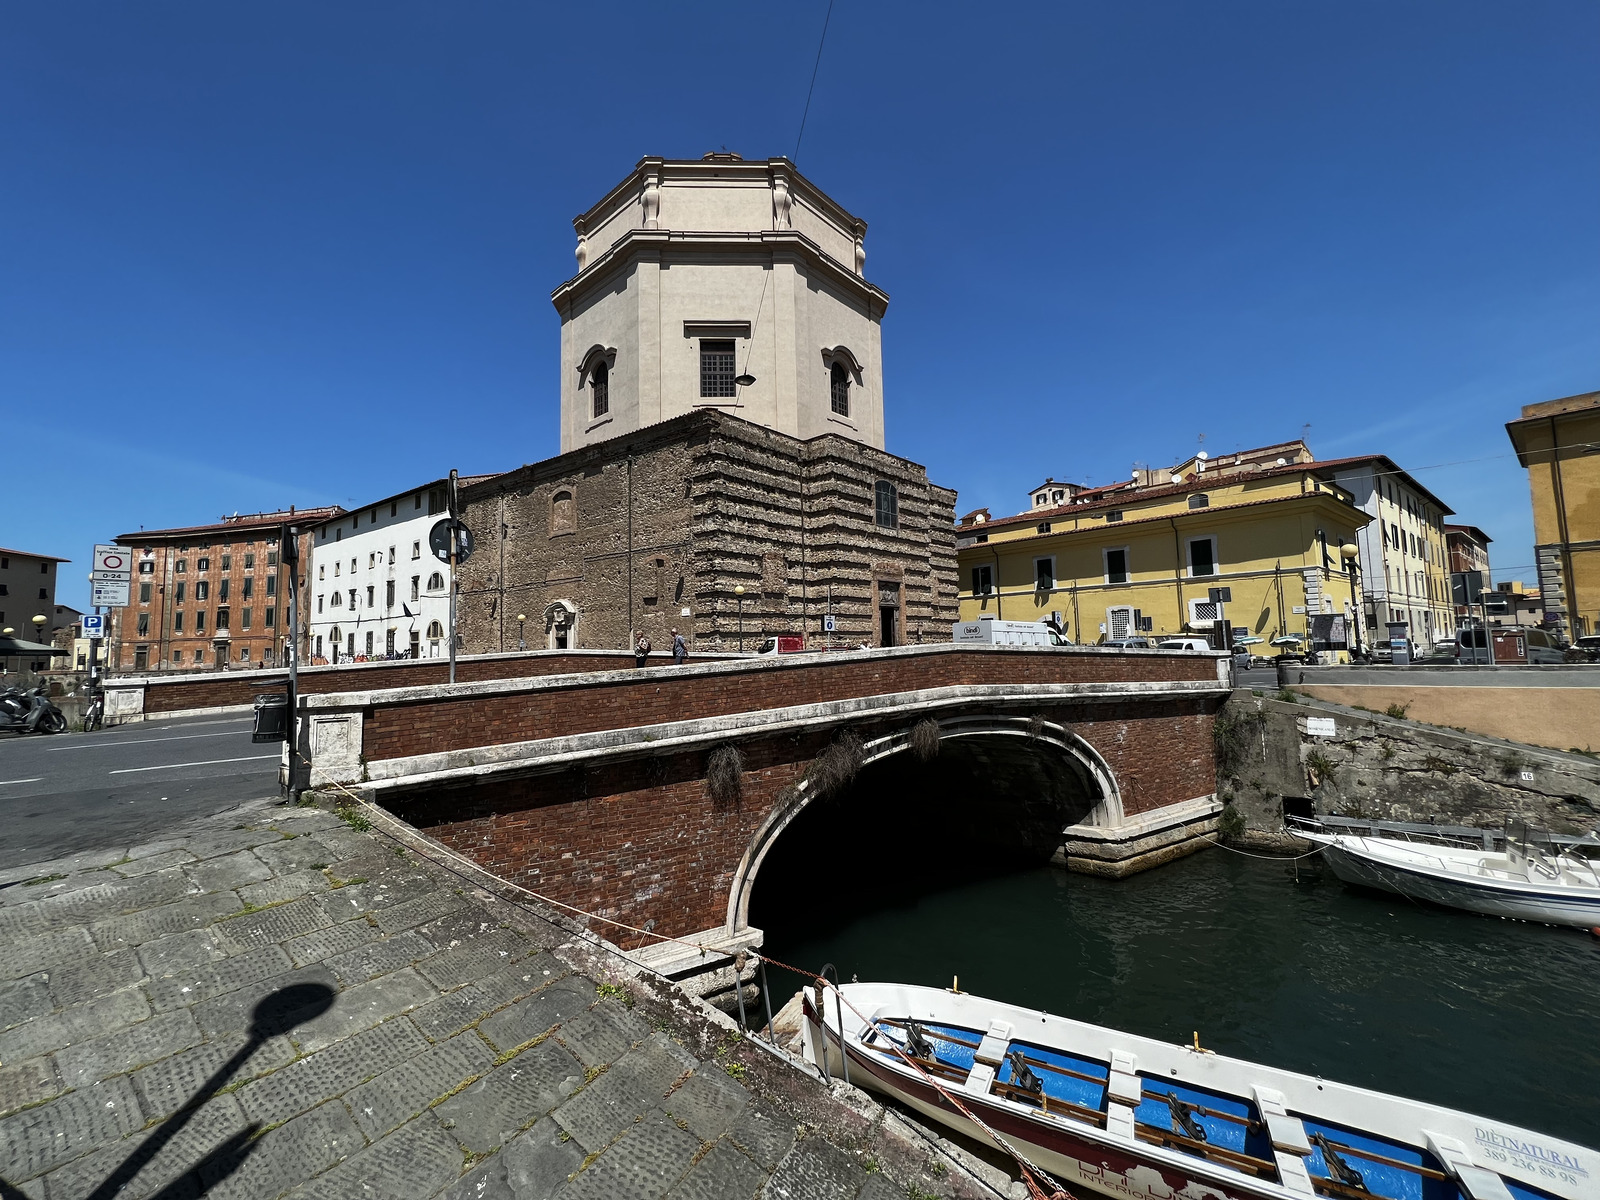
<point x="722" y="434"/>
<point x="209" y="595"/>
<point x="658" y="528"/>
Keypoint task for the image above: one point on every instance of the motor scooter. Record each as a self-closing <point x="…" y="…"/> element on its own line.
<point x="29" y="712"/>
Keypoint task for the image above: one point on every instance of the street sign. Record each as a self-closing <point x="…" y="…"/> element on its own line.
<point x="828" y="623"/>
<point x="94" y="625"/>
<point x="109" y="594"/>
<point x="439" y="540"/>
<point x="116" y="559"/>
<point x="109" y="576"/>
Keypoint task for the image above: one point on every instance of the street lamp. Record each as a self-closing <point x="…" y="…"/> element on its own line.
<point x="739" y="592"/>
<point x="38" y="625"/>
<point x="1350" y="552"/>
<point x="521" y="643"/>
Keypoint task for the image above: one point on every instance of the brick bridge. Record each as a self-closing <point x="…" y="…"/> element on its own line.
<point x="654" y="797"/>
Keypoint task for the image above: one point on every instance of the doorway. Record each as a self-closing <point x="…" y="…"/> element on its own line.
<point x="888" y="626"/>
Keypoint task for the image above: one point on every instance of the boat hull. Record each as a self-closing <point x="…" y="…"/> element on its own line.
<point x="1552" y="906"/>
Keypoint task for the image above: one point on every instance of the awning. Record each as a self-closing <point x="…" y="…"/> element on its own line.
<point x="16" y="646"/>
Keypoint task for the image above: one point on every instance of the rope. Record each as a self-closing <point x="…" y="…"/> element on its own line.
<point x="1033" y="1176"/>
<point x="1216" y="840"/>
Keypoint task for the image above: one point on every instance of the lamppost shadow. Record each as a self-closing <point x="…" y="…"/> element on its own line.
<point x="274" y="1014"/>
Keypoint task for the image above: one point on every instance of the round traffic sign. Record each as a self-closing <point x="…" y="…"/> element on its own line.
<point x="439" y="540"/>
<point x="113" y="562"/>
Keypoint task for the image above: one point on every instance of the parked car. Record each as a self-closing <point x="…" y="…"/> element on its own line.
<point x="1588" y="646"/>
<point x="783" y="644"/>
<point x="1128" y="643"/>
<point x="1544" y="647"/>
<point x="1183" y="643"/>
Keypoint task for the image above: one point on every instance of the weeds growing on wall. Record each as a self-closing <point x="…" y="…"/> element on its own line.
<point x="925" y="740"/>
<point x="1398" y="711"/>
<point x="837" y="766"/>
<point x="1233" y="736"/>
<point x="1322" y="767"/>
<point x="1439" y="765"/>
<point x="725" y="776"/>
<point x="1036" y="725"/>
<point x="1230" y="824"/>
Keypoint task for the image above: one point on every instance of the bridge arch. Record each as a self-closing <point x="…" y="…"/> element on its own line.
<point x="1086" y="785"/>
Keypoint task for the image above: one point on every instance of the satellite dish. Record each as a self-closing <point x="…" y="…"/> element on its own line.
<point x="1201" y="456"/>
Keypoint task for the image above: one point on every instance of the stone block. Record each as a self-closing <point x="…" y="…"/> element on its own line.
<point x="815" y="1170"/>
<point x="295" y="854"/>
<point x="342" y="843"/>
<point x="284" y="887"/>
<point x="28" y="1082"/>
<point x="192" y="912"/>
<point x="644" y="1165"/>
<point x="603" y="1034"/>
<point x="78" y="1023"/>
<point x="289" y="1155"/>
<point x="470" y="959"/>
<point x="330" y="1072"/>
<point x="378" y="958"/>
<point x="218" y="978"/>
<point x="44" y="952"/>
<point x="180" y="954"/>
<point x="37" y="1139"/>
<point x="234" y="1011"/>
<point x="94" y="976"/>
<point x="24" y="999"/>
<point x="532" y="1166"/>
<point x="168" y="1085"/>
<point x="764" y="1133"/>
<point x="709" y="1102"/>
<point x="271" y="925"/>
<point x="461" y="927"/>
<point x="19" y="922"/>
<point x="362" y="1007"/>
<point x="124" y="1171"/>
<point x="153" y="863"/>
<point x="228" y="873"/>
<point x="216" y="843"/>
<point x="723" y="1173"/>
<point x="149" y="1041"/>
<point x="605" y="1110"/>
<point x="536" y="1014"/>
<point x="420" y="911"/>
<point x="511" y="1097"/>
<point x="412" y="1163"/>
<point x="327" y="943"/>
<point x="394" y="1097"/>
<point x="658" y="1063"/>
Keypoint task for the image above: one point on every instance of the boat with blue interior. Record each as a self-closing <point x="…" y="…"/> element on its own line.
<point x="1129" y="1116"/>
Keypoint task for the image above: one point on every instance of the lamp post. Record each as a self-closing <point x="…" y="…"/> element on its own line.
<point x="739" y="592"/>
<point x="521" y="642"/>
<point x="1351" y="554"/>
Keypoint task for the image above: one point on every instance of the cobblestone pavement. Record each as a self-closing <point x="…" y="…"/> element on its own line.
<point x="274" y="1003"/>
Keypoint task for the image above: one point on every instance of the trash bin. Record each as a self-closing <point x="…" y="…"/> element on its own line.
<point x="272" y="719"/>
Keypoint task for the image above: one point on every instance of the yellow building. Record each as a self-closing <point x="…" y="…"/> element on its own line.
<point x="1142" y="557"/>
<point x="1559" y="443"/>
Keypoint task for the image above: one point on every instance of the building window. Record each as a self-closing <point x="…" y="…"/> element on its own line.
<point x="44" y="593"/>
<point x="1114" y="516"/>
<point x="600" y="389"/>
<point x="177" y="593"/>
<point x="249" y="562"/>
<point x="272" y="585"/>
<point x="388" y="594"/>
<point x="435" y="631"/>
<point x="435" y="582"/>
<point x="227" y="562"/>
<point x="416" y="550"/>
<point x="244" y="622"/>
<point x="244" y="653"/>
<point x="141" y="657"/>
<point x="983" y="580"/>
<point x="269" y="617"/>
<point x="352" y="599"/>
<point x="888" y="505"/>
<point x="1116" y="564"/>
<point x="338" y="534"/>
<point x="436" y="501"/>
<point x="319" y="601"/>
<point x="222" y="590"/>
<point x="369" y="643"/>
<point x="272" y="558"/>
<point x="563" y="515"/>
<point x="1042" y="527"/>
<point x="415" y="579"/>
<point x="200" y="622"/>
<point x="202" y="564"/>
<point x="1199" y="501"/>
<point x="181" y="566"/>
<point x="1202" y="557"/>
<point x="202" y="590"/>
<point x="716" y="369"/>
<point x="144" y="593"/>
<point x="1044" y="573"/>
<point x="177" y="622"/>
<point x="839" y="389"/>
<point x="222" y="618"/>
<point x="147" y="567"/>
<point x="391" y="556"/>
<point x="144" y="625"/>
<point x="249" y="587"/>
<point x="199" y="656"/>
<point x="177" y="658"/>
<point x="371" y="597"/>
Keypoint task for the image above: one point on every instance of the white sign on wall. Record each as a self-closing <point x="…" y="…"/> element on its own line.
<point x="1318" y="727"/>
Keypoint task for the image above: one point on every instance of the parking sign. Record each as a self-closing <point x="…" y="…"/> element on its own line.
<point x="94" y="626"/>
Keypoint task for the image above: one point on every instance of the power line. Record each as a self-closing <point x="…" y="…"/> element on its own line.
<point x="820" y="43"/>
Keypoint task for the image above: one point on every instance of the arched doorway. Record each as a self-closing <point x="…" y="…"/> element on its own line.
<point x="996" y="795"/>
<point x="561" y="625"/>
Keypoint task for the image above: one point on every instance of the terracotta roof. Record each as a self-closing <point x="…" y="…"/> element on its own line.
<point x="229" y="524"/>
<point x="1470" y="529"/>
<point x="31" y="554"/>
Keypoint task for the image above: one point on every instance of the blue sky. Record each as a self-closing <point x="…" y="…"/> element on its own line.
<point x="302" y="253"/>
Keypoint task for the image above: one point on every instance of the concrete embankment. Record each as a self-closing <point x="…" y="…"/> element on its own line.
<point x="1305" y="756"/>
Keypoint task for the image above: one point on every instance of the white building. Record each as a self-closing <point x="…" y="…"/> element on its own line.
<point x="374" y="589"/>
<point x="720" y="283"/>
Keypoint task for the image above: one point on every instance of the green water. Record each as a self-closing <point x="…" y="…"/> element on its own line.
<point x="1498" y="1018"/>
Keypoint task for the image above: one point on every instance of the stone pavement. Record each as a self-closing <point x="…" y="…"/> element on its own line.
<point x="274" y="1002"/>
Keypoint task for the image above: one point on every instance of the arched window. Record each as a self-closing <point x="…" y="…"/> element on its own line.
<point x="435" y="582"/>
<point x="839" y="389"/>
<point x="600" y="386"/>
<point x="435" y="631"/>
<point x="1199" y="500"/>
<point x="888" y="505"/>
<point x="563" y="515"/>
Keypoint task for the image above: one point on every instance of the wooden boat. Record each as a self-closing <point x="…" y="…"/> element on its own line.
<point x="1531" y="879"/>
<point x="1131" y="1117"/>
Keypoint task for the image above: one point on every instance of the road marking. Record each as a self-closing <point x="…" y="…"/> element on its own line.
<point x="182" y="737"/>
<point x="35" y="779"/>
<point x="210" y="762"/>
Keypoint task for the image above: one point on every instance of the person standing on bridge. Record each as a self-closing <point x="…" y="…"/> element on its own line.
<point x="680" y="649"/>
<point x="641" y="650"/>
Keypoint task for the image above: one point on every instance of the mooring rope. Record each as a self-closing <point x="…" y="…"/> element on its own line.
<point x="1034" y="1176"/>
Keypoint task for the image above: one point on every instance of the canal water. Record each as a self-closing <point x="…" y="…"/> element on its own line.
<point x="1267" y="960"/>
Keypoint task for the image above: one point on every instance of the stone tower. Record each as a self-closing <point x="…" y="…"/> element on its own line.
<point x="726" y="285"/>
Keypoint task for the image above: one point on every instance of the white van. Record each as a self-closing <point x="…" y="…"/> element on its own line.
<point x="1183" y="643"/>
<point x="986" y="631"/>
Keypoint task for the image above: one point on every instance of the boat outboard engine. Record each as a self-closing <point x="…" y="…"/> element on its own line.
<point x="917" y="1044"/>
<point x="1022" y="1075"/>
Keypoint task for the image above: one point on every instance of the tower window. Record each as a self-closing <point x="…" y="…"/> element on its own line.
<point x="839" y="389"/>
<point x="600" y="386"/>
<point x="888" y="505"/>
<point x="716" y="368"/>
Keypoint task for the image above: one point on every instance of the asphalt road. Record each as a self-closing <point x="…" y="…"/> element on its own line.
<point x="72" y="792"/>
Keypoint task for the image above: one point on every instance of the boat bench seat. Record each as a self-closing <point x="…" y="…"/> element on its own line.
<point x="992" y="1050"/>
<point x="1290" y="1144"/>
<point x="1124" y="1093"/>
<point x="1479" y="1183"/>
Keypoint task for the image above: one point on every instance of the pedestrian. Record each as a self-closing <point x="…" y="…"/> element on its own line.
<point x="641" y="650"/>
<point x="680" y="649"/>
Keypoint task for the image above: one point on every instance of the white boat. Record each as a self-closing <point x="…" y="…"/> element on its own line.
<point x="1530" y="880"/>
<point x="1131" y="1117"/>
